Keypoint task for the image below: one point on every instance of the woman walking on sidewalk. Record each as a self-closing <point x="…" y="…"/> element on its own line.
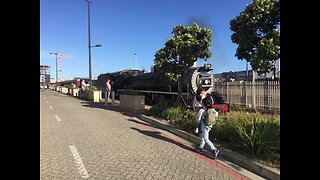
<point x="202" y="113"/>
<point x="197" y="105"/>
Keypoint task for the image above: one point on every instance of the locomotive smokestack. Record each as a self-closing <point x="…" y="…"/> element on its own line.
<point x="153" y="69"/>
<point x="195" y="64"/>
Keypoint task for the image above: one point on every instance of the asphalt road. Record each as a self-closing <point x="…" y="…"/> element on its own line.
<point x="83" y="140"/>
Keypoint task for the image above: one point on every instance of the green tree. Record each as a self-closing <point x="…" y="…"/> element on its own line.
<point x="257" y="32"/>
<point x="181" y="52"/>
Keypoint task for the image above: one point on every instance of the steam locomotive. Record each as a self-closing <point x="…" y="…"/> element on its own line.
<point x="152" y="86"/>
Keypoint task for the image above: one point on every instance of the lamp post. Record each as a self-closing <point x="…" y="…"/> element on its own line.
<point x="57" y="54"/>
<point x="90" y="73"/>
<point x="89" y="45"/>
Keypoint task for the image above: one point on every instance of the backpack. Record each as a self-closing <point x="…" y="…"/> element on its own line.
<point x="210" y="118"/>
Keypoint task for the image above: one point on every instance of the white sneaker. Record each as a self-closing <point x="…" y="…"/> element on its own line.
<point x="215" y="153"/>
<point x="196" y="130"/>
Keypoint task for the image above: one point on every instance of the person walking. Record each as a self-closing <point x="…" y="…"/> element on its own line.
<point x="197" y="105"/>
<point x="206" y="104"/>
<point x="108" y="91"/>
<point x="201" y="94"/>
<point x="82" y="88"/>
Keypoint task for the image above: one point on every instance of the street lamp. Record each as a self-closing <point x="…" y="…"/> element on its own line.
<point x="58" y="55"/>
<point x="98" y="45"/>
<point x="89" y="45"/>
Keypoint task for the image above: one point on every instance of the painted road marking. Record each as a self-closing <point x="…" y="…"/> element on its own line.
<point x="82" y="170"/>
<point x="235" y="174"/>
<point x="57" y="117"/>
<point x="50" y="107"/>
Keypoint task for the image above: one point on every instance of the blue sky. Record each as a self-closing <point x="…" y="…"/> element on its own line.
<point x="126" y="27"/>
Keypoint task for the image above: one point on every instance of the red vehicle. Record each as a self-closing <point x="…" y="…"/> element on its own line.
<point x="222" y="108"/>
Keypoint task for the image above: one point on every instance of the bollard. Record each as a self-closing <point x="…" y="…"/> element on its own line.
<point x="112" y="95"/>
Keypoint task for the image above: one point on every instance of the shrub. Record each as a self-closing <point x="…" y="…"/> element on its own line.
<point x="178" y="116"/>
<point x="94" y="88"/>
<point x="257" y="134"/>
<point x="158" y="109"/>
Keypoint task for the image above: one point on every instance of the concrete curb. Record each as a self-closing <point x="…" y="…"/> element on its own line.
<point x="229" y="155"/>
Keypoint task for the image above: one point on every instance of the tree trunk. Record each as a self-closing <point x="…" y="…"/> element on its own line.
<point x="181" y="82"/>
<point x="178" y="101"/>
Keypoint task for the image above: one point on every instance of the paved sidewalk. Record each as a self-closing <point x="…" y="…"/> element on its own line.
<point x="227" y="154"/>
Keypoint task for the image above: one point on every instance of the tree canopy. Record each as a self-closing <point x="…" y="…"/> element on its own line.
<point x="257" y="32"/>
<point x="183" y="50"/>
<point x="174" y="60"/>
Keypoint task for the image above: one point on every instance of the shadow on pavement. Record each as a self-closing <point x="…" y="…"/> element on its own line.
<point x="142" y="123"/>
<point x="154" y="134"/>
<point x="158" y="135"/>
<point x="115" y="108"/>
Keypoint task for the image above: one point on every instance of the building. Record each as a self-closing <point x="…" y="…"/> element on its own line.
<point x="44" y="75"/>
<point x="242" y="76"/>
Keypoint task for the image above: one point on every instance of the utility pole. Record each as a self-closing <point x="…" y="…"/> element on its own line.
<point x="89" y="44"/>
<point x="56" y="68"/>
<point x="58" y="55"/>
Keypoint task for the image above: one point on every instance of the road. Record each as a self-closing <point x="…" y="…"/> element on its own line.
<point x="83" y="140"/>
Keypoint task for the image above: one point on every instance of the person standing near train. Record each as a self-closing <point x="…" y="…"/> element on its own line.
<point x="108" y="91"/>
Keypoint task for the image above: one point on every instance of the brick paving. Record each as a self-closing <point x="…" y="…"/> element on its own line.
<point x="113" y="145"/>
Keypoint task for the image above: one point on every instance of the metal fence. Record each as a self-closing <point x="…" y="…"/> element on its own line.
<point x="260" y="94"/>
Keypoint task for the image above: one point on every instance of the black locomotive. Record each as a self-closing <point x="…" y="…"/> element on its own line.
<point x="153" y="86"/>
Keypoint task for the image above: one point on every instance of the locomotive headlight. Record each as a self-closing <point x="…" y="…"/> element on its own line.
<point x="205" y="82"/>
<point x="207" y="66"/>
